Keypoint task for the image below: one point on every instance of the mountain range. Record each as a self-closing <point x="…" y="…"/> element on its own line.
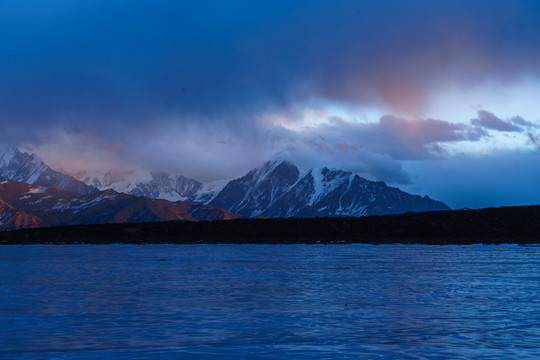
<point x="155" y="185"/>
<point x="28" y="205"/>
<point x="276" y="189"/>
<point x="280" y="189"/>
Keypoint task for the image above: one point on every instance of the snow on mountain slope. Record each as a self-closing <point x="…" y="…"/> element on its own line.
<point x="280" y="189"/>
<point x="54" y="206"/>
<point x="166" y="186"/>
<point x="154" y="185"/>
<point x="251" y="194"/>
<point x="30" y="169"/>
<point x="207" y="192"/>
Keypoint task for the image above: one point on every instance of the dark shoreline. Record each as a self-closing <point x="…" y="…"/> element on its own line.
<point x="510" y="225"/>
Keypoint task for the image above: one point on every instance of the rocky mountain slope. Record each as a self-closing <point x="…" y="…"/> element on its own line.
<point x="12" y="219"/>
<point x="30" y="169"/>
<point x="29" y="205"/>
<point x="281" y="189"/>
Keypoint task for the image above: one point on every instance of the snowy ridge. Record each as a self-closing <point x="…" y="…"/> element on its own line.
<point x="29" y="205"/>
<point x="121" y="181"/>
<point x="280" y="189"/>
<point x="251" y="194"/>
<point x="153" y="185"/>
<point x="30" y="169"/>
<point x="7" y="153"/>
<point x="207" y="192"/>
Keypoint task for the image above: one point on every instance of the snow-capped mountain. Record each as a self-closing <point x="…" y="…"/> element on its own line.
<point x="281" y="189"/>
<point x="277" y="189"/>
<point x="154" y="185"/>
<point x="166" y="186"/>
<point x="29" y="205"/>
<point x="30" y="169"/>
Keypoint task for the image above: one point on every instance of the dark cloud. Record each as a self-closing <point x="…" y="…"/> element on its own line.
<point x="490" y="121"/>
<point x="131" y="62"/>
<point x="518" y="120"/>
<point x="414" y="135"/>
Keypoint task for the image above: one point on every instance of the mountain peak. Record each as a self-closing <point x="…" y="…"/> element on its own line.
<point x="279" y="189"/>
<point x="273" y="164"/>
<point x="29" y="168"/>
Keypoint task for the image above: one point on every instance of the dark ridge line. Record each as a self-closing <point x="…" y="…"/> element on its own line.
<point x="515" y="225"/>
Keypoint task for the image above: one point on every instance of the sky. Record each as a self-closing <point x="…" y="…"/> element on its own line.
<point x="438" y="98"/>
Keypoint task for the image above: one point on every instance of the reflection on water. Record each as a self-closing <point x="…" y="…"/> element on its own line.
<point x="269" y="301"/>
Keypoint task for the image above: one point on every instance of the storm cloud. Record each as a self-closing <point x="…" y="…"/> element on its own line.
<point x="227" y="61"/>
<point x="212" y="88"/>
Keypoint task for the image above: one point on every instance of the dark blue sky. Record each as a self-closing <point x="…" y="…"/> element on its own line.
<point x="415" y="93"/>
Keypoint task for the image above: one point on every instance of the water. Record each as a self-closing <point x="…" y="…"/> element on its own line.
<point x="269" y="302"/>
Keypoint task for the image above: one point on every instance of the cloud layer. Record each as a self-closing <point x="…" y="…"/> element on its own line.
<point x="132" y="61"/>
<point x="212" y="88"/>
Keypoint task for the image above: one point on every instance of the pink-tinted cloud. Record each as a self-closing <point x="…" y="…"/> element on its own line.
<point x="398" y="137"/>
<point x="403" y="139"/>
<point x="113" y="147"/>
<point x="345" y="148"/>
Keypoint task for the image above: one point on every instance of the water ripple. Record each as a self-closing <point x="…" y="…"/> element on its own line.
<point x="269" y="302"/>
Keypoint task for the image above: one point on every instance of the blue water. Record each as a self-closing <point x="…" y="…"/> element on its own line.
<point x="269" y="302"/>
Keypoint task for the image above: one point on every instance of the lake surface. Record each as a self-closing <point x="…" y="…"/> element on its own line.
<point x="269" y="302"/>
